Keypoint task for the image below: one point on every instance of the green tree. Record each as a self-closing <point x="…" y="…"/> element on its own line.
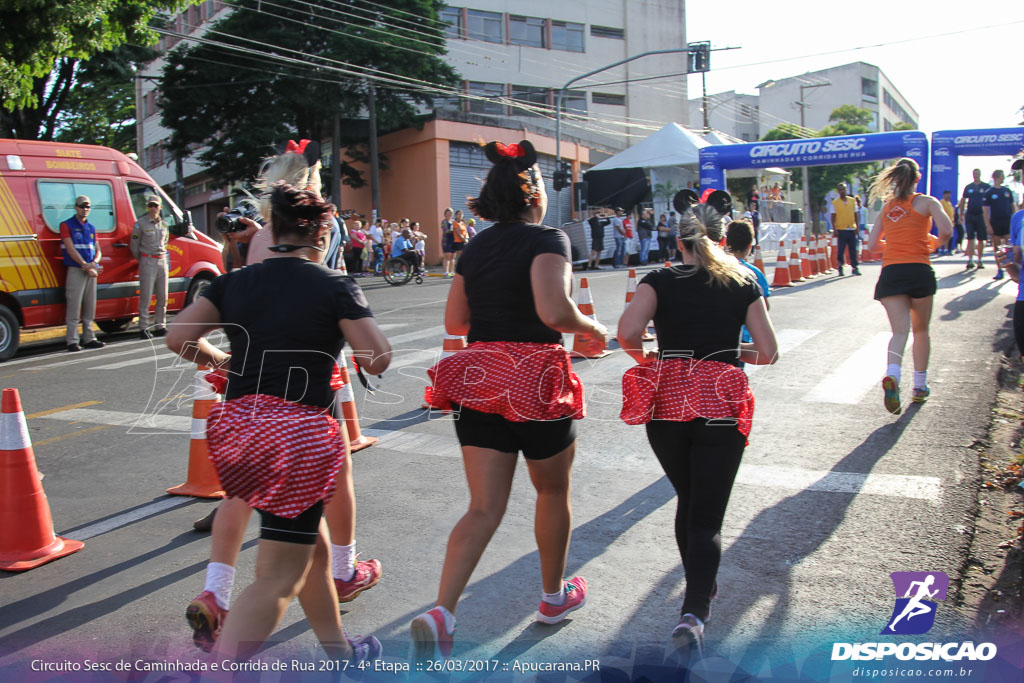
<point x="844" y="120"/>
<point x="89" y="101"/>
<point x="40" y="37"/>
<point x="241" y="107"/>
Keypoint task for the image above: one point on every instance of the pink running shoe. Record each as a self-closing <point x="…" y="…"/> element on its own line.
<point x="431" y="636"/>
<point x="575" y="597"/>
<point x="206" y="618"/>
<point x="366" y="577"/>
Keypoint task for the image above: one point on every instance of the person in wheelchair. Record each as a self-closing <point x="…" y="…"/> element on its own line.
<point x="404" y="248"/>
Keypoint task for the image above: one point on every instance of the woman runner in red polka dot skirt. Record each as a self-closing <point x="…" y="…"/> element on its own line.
<point x="513" y="388"/>
<point x="692" y="395"/>
<point x="273" y="441"/>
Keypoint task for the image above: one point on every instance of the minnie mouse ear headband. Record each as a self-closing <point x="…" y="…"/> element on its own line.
<point x="719" y="200"/>
<point x="522" y="153"/>
<point x="1018" y="161"/>
<point x="310" y="149"/>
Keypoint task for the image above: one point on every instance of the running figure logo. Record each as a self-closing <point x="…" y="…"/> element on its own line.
<point x="916" y="593"/>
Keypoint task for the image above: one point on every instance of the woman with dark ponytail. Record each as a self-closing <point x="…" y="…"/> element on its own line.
<point x="273" y="440"/>
<point x="691" y="393"/>
<point x="906" y="285"/>
<point x="513" y="388"/>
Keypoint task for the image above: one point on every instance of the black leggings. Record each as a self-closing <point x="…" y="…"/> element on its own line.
<point x="1018" y="325"/>
<point x="701" y="463"/>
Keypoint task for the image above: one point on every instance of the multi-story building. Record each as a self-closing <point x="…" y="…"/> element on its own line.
<point x="512" y="57"/>
<point x="860" y="84"/>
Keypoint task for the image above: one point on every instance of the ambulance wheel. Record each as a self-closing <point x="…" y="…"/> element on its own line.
<point x="199" y="283"/>
<point x="114" y="326"/>
<point x="10" y="333"/>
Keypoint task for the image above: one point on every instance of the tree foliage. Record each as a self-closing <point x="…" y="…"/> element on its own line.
<point x="90" y="101"/>
<point x="40" y="37"/>
<point x="844" y="120"/>
<point x="243" y="107"/>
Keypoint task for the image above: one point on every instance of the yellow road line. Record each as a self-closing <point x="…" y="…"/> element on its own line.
<point x="78" y="432"/>
<point x="61" y="410"/>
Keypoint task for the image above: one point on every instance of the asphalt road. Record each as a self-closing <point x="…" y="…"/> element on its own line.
<point x="833" y="495"/>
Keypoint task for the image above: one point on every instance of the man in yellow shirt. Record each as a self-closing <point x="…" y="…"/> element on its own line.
<point x="950" y="209"/>
<point x="843" y="212"/>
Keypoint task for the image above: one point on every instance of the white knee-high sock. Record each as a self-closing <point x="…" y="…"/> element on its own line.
<point x="343" y="561"/>
<point x="220" y="578"/>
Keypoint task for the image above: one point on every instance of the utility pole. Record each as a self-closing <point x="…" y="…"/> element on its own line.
<point x="374" y="165"/>
<point x="336" y="161"/>
<point x="806" y="177"/>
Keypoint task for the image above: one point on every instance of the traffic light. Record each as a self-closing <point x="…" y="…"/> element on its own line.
<point x="699" y="57"/>
<point x="562" y="177"/>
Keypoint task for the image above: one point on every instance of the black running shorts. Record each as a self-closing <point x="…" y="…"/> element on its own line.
<point x="975" y="225"/>
<point x="301" y="529"/>
<point x="1000" y="225"/>
<point x="916" y="280"/>
<point x="537" y="440"/>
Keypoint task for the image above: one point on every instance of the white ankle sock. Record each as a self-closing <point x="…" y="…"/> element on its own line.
<point x="920" y="379"/>
<point x="220" y="578"/>
<point x="343" y="561"/>
<point x="893" y="370"/>
<point x="554" y="598"/>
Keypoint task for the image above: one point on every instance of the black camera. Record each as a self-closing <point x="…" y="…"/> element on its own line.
<point x="229" y="222"/>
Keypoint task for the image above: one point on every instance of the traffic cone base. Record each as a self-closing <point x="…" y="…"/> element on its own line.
<point x="26" y="534"/>
<point x="201" y="480"/>
<point x="781" y="268"/>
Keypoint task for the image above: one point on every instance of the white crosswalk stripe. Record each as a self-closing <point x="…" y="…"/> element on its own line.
<point x="850" y="381"/>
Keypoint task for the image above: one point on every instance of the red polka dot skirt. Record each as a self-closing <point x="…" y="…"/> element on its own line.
<point x="683" y="389"/>
<point x="278" y="455"/>
<point x="520" y="381"/>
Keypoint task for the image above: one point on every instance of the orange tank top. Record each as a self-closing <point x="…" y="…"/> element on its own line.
<point x="905" y="233"/>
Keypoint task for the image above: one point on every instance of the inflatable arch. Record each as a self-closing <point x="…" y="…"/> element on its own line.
<point x="949" y="145"/>
<point x="842" y="149"/>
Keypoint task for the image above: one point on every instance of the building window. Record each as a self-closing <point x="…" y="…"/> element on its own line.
<point x="888" y="125"/>
<point x="488" y="90"/>
<point x="869" y="89"/>
<point x="607" y="32"/>
<point x="452" y="16"/>
<point x="489" y="26"/>
<point x="745" y="111"/>
<point x="537" y="98"/>
<point x="574" y="101"/>
<point x="746" y="137"/>
<point x="608" y="98"/>
<point x="527" y="31"/>
<point x="895" y="107"/>
<point x="566" y="35"/>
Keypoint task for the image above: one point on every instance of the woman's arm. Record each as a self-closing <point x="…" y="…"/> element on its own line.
<point x="633" y="323"/>
<point x="370" y="348"/>
<point x="875" y="237"/>
<point x="765" y="348"/>
<point x="456" y="311"/>
<point x="933" y="207"/>
<point x="186" y="334"/>
<point x="551" y="280"/>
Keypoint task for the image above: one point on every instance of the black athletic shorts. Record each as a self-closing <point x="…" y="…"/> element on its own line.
<point x="301" y="529"/>
<point x="1000" y="225"/>
<point x="975" y="225"/>
<point x="597" y="245"/>
<point x="916" y="280"/>
<point x="537" y="440"/>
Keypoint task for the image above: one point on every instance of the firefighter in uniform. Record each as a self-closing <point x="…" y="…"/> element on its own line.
<point x="149" y="247"/>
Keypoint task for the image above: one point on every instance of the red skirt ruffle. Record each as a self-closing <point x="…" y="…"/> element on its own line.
<point x="683" y="389"/>
<point x="280" y="456"/>
<point x="520" y="381"/>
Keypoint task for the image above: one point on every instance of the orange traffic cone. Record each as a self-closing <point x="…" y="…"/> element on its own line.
<point x="452" y="344"/>
<point x="781" y="268"/>
<point x="668" y="264"/>
<point x="347" y="402"/>
<point x="201" y="480"/>
<point x="26" y="534"/>
<point x="835" y="252"/>
<point x="758" y="259"/>
<point x="812" y="251"/>
<point x="823" y="263"/>
<point x="583" y="346"/>
<point x="795" y="268"/>
<point x="630" y="292"/>
<point x="805" y="259"/>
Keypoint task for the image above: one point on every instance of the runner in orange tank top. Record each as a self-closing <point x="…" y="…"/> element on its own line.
<point x="906" y="285"/>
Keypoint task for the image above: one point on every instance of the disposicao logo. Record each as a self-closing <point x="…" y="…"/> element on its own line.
<point x="917" y="597"/>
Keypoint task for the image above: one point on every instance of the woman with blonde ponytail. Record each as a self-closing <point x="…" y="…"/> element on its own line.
<point x="906" y="286"/>
<point x="692" y="394"/>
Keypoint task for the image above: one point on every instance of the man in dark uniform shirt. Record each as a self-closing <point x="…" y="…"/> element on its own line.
<point x="998" y="207"/>
<point x="597" y="224"/>
<point x="974" y="218"/>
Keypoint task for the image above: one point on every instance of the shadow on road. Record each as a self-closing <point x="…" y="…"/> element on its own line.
<point x="972" y="300"/>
